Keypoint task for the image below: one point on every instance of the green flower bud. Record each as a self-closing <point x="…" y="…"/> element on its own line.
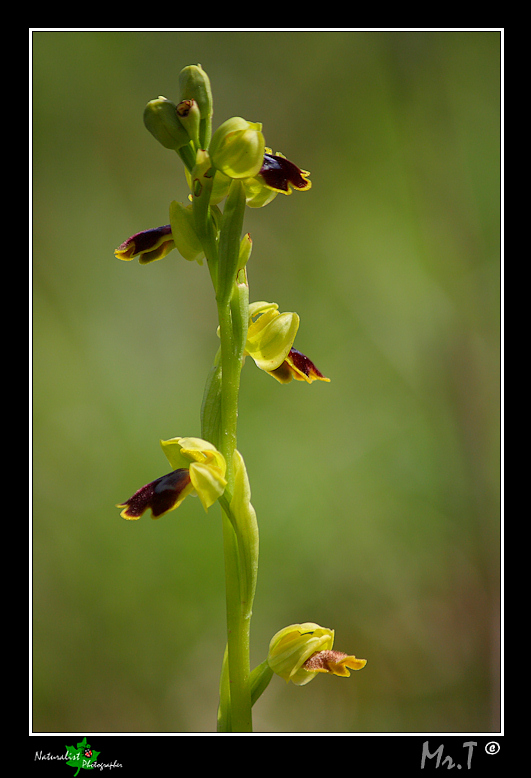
<point x="246" y="246"/>
<point x="195" y="85"/>
<point x="160" y="118"/>
<point x="190" y="116"/>
<point x="237" y="148"/>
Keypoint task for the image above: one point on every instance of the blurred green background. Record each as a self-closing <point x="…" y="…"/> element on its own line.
<point x="378" y="494"/>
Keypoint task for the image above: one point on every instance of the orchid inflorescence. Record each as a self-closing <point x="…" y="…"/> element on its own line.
<point x="231" y="166"/>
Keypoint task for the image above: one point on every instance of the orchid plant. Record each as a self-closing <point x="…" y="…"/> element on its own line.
<point x="232" y="167"/>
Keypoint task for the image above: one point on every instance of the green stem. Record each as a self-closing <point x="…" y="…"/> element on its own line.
<point x="238" y="638"/>
<point x="230" y="387"/>
<point x="220" y="417"/>
<point x="202" y="182"/>
<point x="238" y="627"/>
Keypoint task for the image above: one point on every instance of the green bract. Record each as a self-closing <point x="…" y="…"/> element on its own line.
<point x="246" y="246"/>
<point x="183" y="232"/>
<point x="246" y="528"/>
<point x="230" y="241"/>
<point x="237" y="148"/>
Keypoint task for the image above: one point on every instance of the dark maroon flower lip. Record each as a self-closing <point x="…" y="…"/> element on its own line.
<point x="148" y="245"/>
<point x="161" y="495"/>
<point x="278" y="173"/>
<point x="299" y="367"/>
<point x="304" y="365"/>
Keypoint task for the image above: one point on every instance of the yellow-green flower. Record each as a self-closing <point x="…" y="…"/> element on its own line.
<point x="198" y="468"/>
<point x="270" y="340"/>
<point x="298" y="652"/>
<point x="270" y="335"/>
<point x="195" y="85"/>
<point x="237" y="148"/>
<point x="180" y="234"/>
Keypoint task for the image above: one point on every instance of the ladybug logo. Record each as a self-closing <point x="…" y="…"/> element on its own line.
<point x="88" y="752"/>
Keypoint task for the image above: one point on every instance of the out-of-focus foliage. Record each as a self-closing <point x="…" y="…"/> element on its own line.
<point x="377" y="495"/>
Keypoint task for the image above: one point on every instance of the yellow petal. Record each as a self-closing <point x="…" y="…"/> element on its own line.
<point x="181" y="451"/>
<point x="208" y="482"/>
<point x="271" y="337"/>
